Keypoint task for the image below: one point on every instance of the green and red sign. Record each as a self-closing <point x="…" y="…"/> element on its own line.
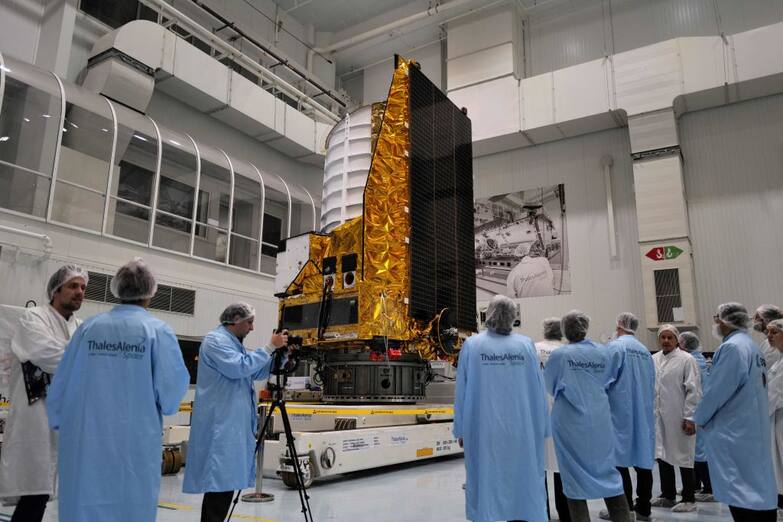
<point x="664" y="253"/>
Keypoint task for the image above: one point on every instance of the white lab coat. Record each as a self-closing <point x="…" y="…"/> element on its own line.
<point x="771" y="355"/>
<point x="775" y="390"/>
<point x="532" y="277"/>
<point x="28" y="461"/>
<point x="544" y="348"/>
<point x="677" y="393"/>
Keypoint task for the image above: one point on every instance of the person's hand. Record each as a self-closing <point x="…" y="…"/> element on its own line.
<point x="279" y="338"/>
<point x="689" y="427"/>
<point x="460" y="442"/>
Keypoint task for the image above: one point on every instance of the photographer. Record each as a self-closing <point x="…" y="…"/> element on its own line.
<point x="224" y="424"/>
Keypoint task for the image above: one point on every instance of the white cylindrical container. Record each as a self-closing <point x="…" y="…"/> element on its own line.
<point x="347" y="163"/>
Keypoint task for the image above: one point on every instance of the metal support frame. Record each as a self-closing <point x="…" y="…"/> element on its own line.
<point x="2" y="82"/>
<point x="196" y="194"/>
<point x="607" y="163"/>
<point x="156" y="184"/>
<point x="112" y="159"/>
<point x="261" y="224"/>
<point x="230" y="207"/>
<point x="290" y="205"/>
<point x="57" y="148"/>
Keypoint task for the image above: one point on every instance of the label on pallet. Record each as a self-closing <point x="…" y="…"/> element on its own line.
<point x="398" y="440"/>
<point x="424" y="452"/>
<point x="361" y="443"/>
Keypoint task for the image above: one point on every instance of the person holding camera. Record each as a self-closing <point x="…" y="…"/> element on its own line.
<point x="224" y="423"/>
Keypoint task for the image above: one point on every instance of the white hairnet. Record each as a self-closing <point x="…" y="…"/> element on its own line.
<point x="236" y="313"/>
<point x="501" y="314"/>
<point x="669" y="328"/>
<point x="777" y="324"/>
<point x="134" y="281"/>
<point x="63" y="275"/>
<point x="552" y="330"/>
<point x="628" y="322"/>
<point x="575" y="325"/>
<point x="734" y="315"/>
<point x="769" y="312"/>
<point x="689" y="341"/>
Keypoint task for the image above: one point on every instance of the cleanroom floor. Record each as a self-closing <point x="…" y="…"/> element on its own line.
<point x="429" y="491"/>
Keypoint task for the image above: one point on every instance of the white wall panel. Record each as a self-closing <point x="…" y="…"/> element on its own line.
<point x="602" y="286"/>
<point x="733" y="165"/>
<point x="590" y="80"/>
<point x="648" y="78"/>
<point x="758" y="52"/>
<point x="659" y="203"/>
<point x="493" y="108"/>
<point x="378" y="77"/>
<point x="474" y="35"/>
<point x="480" y="66"/>
<point x="20" y="27"/>
<point x="537" y="101"/>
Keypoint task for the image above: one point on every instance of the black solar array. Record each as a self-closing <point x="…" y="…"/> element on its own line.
<point x="441" y="171"/>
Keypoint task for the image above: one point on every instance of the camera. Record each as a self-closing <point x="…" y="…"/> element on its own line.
<point x="295" y="340"/>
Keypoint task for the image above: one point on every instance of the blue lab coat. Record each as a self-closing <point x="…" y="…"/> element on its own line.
<point x="122" y="370"/>
<point x="224" y="423"/>
<point x="701" y="451"/>
<point x="632" y="401"/>
<point x="734" y="416"/>
<point x="578" y="376"/>
<point x="500" y="411"/>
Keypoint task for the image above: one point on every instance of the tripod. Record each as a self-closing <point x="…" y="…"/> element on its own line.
<point x="278" y="401"/>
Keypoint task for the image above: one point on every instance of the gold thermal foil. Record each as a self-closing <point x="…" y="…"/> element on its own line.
<point x="380" y="238"/>
<point x="387" y="221"/>
<point x="376" y="119"/>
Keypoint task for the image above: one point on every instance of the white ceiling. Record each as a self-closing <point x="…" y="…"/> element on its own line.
<point x="332" y="16"/>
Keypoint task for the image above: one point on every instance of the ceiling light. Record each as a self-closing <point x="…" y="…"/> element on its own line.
<point x="4" y="138"/>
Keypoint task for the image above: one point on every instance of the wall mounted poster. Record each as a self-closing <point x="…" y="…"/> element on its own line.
<point x="521" y="244"/>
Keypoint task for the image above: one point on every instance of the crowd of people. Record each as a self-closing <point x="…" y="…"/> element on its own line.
<point x="589" y="412"/>
<point x="87" y="400"/>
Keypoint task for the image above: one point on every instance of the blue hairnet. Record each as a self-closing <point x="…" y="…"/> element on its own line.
<point x="501" y="314"/>
<point x="769" y="312"/>
<point x="63" y="275"/>
<point x="552" y="330"/>
<point x="134" y="281"/>
<point x="236" y="313"/>
<point x="575" y="325"/>
<point x="689" y="341"/>
<point x="628" y="322"/>
<point x="734" y="315"/>
<point x="669" y="328"/>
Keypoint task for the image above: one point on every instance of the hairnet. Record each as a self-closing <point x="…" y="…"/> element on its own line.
<point x="501" y="314"/>
<point x="536" y="249"/>
<point x="63" y="275"/>
<point x="769" y="312"/>
<point x="669" y="328"/>
<point x="552" y="330"/>
<point x="689" y="341"/>
<point x="777" y="324"/>
<point x="575" y="324"/>
<point x="236" y="313"/>
<point x="134" y="281"/>
<point x="628" y="322"/>
<point x="734" y="315"/>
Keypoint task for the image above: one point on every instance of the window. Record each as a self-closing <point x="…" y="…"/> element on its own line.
<point x="176" y="193"/>
<point x="87" y="139"/>
<point x="136" y="161"/>
<point x="29" y="129"/>
<point x="272" y="235"/>
<point x="246" y="218"/>
<point x="667" y="295"/>
<point x="216" y="179"/>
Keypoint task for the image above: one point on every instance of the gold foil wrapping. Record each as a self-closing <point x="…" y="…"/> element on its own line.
<point x="380" y="237"/>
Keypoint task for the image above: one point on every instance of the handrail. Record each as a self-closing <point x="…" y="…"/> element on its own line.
<point x="245" y="61"/>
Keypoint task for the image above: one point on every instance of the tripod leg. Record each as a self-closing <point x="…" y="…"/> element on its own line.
<point x="289" y="436"/>
<point x="259" y="439"/>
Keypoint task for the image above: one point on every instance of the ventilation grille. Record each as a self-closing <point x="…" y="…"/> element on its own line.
<point x="667" y="295"/>
<point x="167" y="299"/>
<point x="441" y="173"/>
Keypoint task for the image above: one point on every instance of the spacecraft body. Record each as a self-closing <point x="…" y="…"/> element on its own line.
<point x="391" y="285"/>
